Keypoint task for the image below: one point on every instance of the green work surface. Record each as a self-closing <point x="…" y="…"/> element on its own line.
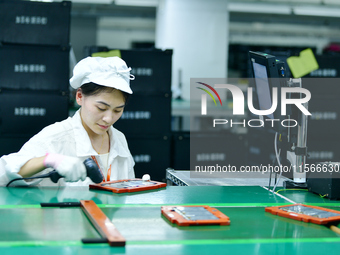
<point x="146" y="225"/>
<point x="306" y="197"/>
<point x="44" y="224"/>
<point x="170" y="195"/>
<point x="246" y="223"/>
<point x="29" y="229"/>
<point x="301" y="248"/>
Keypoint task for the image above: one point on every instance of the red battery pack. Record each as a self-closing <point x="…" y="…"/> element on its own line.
<point x="194" y="215"/>
<point x="128" y="185"/>
<point x="306" y="213"/>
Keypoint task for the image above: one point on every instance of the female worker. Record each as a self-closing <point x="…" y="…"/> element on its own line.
<point x="103" y="85"/>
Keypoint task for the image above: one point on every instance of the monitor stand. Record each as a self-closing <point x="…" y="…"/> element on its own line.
<point x="297" y="157"/>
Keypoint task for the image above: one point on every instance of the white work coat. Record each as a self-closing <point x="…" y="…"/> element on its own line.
<point x="69" y="138"/>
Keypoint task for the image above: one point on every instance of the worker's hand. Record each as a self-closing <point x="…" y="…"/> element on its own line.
<point x="72" y="168"/>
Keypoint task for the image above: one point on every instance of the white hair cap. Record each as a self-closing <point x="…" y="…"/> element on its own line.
<point x="110" y="72"/>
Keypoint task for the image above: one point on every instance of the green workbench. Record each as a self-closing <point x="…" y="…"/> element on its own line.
<point x="30" y="229"/>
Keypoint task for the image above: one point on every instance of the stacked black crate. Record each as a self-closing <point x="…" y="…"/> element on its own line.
<point x="180" y="150"/>
<point x="196" y="151"/>
<point x="224" y="151"/>
<point x="146" y="121"/>
<point x="147" y="117"/>
<point x="34" y="69"/>
<point x="260" y="145"/>
<point x="324" y="124"/>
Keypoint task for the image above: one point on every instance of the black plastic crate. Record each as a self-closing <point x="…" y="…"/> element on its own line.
<point x="325" y="119"/>
<point x="322" y="87"/>
<point x="152" y="68"/>
<point x="29" y="112"/>
<point x="151" y="155"/>
<point x="325" y="80"/>
<point x="28" y="22"/>
<point x="11" y="144"/>
<point x="319" y="149"/>
<point x="329" y="67"/>
<point x="325" y="183"/>
<point x="180" y="151"/>
<point x="146" y="115"/>
<point x="34" y="67"/>
<point x="217" y="148"/>
<point x="207" y="150"/>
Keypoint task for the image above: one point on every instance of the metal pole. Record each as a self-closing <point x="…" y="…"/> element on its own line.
<point x="299" y="175"/>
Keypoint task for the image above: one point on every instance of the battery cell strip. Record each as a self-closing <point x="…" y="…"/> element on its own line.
<point x="309" y="211"/>
<point x="128" y="185"/>
<point x="194" y="215"/>
<point x="103" y="225"/>
<point x="306" y="213"/>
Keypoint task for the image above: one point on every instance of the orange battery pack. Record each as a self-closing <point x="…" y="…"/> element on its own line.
<point x="194" y="215"/>
<point x="128" y="185"/>
<point x="306" y="213"/>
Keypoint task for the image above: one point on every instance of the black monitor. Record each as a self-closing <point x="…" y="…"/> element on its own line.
<point x="268" y="73"/>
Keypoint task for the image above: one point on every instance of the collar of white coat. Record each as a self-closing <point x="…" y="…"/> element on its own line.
<point x="83" y="143"/>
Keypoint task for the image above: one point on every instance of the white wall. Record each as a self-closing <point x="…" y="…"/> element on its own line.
<point x="197" y="31"/>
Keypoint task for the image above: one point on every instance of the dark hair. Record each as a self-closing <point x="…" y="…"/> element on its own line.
<point x="91" y="89"/>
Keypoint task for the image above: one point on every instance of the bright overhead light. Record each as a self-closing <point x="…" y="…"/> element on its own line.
<point x="146" y="3"/>
<point x="317" y="11"/>
<point x="259" y="8"/>
<point x="49" y="1"/>
<point x="92" y="1"/>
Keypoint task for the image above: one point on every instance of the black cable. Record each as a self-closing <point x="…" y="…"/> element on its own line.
<point x="92" y="171"/>
<point x="270" y="173"/>
<point x="29" y="178"/>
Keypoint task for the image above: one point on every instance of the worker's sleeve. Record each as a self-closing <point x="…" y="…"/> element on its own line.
<point x="131" y="171"/>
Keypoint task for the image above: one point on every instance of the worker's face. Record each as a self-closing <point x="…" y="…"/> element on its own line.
<point x="99" y="112"/>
